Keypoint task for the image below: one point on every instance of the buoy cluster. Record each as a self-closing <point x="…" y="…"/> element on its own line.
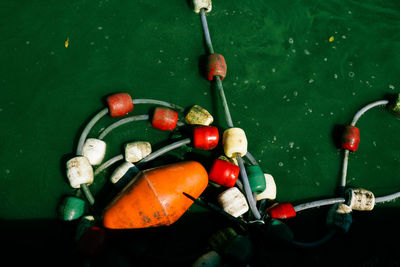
<point x="159" y="196"/>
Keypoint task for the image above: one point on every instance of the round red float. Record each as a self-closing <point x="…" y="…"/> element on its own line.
<point x="216" y="66"/>
<point x="351" y="138"/>
<point x="119" y="104"/>
<point x="224" y="173"/>
<point x="205" y="137"/>
<point x="282" y="211"/>
<point x="164" y="119"/>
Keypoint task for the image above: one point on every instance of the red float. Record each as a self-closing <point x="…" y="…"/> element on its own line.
<point x="119" y="104"/>
<point x="224" y="173"/>
<point x="164" y="119"/>
<point x="351" y="138"/>
<point x="205" y="137"/>
<point x="282" y="211"/>
<point x="216" y="66"/>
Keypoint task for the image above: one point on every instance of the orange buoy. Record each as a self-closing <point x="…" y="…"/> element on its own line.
<point x="155" y="196"/>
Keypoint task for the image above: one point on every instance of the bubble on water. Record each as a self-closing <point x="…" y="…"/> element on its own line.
<point x="263" y="87"/>
<point x="295" y="93"/>
<point x="27" y="42"/>
<point x="310" y="80"/>
<point x="306" y="52"/>
<point x="325" y="59"/>
<point x="335" y="76"/>
<point x="291" y="144"/>
<point x="291" y="41"/>
<point x="280" y="164"/>
<point x="351" y="74"/>
<point x="391" y="86"/>
<point x="273" y="70"/>
<point x="100" y="28"/>
<point x="344" y="37"/>
<point x="317" y="183"/>
<point x="246" y="81"/>
<point x="293" y="51"/>
<point x="374" y="143"/>
<point x="159" y="61"/>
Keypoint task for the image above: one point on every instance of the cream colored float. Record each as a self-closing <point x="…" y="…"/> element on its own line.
<point x="79" y="171"/>
<point x="120" y="171"/>
<point x="270" y="188"/>
<point x="137" y="151"/>
<point x="234" y="142"/>
<point x="95" y="150"/>
<point x="198" y="116"/>
<point x="360" y="199"/>
<point x="199" y="4"/>
<point x="233" y="202"/>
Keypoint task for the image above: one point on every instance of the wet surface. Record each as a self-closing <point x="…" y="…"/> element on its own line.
<point x="296" y="72"/>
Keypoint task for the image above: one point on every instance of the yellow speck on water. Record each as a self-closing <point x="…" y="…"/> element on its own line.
<point x="66" y="43"/>
<point x="331" y="39"/>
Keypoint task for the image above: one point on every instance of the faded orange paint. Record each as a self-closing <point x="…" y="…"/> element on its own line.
<point x="155" y="196"/>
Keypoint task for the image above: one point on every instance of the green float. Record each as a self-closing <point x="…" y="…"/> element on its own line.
<point x="256" y="178"/>
<point x="71" y="208"/>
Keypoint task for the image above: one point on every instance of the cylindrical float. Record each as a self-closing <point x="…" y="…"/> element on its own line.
<point x="216" y="66"/>
<point x="198" y="116"/>
<point x="205" y="137"/>
<point x="351" y="138"/>
<point x="119" y="104"/>
<point x="224" y="173"/>
<point x="164" y="119"/>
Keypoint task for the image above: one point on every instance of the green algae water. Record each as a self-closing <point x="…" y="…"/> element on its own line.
<point x="296" y="71"/>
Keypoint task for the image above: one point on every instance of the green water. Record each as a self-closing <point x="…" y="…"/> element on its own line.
<point x="287" y="86"/>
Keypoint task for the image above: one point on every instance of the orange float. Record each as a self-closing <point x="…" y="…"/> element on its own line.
<point x="155" y="196"/>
